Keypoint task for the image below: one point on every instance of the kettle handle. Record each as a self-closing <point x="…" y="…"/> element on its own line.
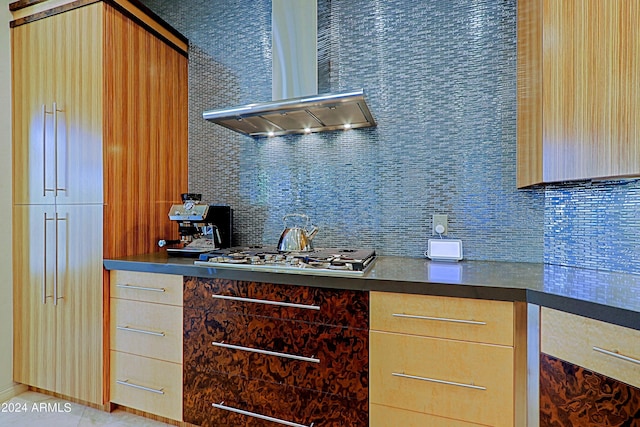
<point x="303" y="216"/>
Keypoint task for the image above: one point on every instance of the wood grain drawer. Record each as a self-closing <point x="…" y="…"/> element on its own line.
<point x="386" y="416"/>
<point x="598" y="346"/>
<point x="149" y="287"/>
<point x="320" y="357"/>
<point x="444" y="317"/>
<point x="147" y="329"/>
<point x="466" y="381"/>
<point x="309" y="304"/>
<point x="291" y="404"/>
<point x="147" y="384"/>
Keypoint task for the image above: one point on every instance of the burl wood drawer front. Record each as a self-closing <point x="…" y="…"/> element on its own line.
<point x="444" y="317"/>
<point x="318" y="305"/>
<point x="598" y="346"/>
<point x="455" y="379"/>
<point x="147" y="329"/>
<point x="385" y="416"/>
<point x="310" y="355"/>
<point x="149" y="287"/>
<point x="571" y="395"/>
<point x="259" y="399"/>
<point x="147" y="384"/>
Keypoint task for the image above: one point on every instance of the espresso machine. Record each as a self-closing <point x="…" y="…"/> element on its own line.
<point x="202" y="227"/>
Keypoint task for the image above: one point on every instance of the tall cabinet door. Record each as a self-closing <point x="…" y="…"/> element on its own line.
<point x="33" y="295"/>
<point x="58" y="108"/>
<point x="79" y="318"/>
<point x="58" y="299"/>
<point x="33" y="56"/>
<point x="78" y="97"/>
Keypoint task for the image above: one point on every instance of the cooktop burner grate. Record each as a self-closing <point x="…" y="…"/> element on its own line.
<point x="335" y="261"/>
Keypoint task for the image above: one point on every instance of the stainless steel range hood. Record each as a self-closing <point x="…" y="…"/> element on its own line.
<point x="297" y="115"/>
<point x="296" y="107"/>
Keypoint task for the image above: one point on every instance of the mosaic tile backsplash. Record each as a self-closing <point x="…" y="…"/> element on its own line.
<point x="593" y="225"/>
<point x="440" y="79"/>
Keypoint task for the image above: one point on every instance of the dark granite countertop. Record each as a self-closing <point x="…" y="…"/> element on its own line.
<point x="610" y="297"/>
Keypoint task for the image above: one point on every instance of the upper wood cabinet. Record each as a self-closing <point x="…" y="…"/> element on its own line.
<point x="100" y="94"/>
<point x="578" y="90"/>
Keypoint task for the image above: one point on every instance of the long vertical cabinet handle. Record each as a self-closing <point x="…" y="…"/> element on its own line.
<point x="44" y="270"/>
<point x="44" y="151"/>
<point x="44" y="259"/>
<point x="55" y="145"/>
<point x="55" y="276"/>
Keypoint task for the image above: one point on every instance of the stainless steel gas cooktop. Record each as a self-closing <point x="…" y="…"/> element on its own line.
<point x="321" y="261"/>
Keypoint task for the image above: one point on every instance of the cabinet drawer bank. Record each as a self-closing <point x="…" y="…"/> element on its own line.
<point x="146" y="328"/>
<point x="429" y="353"/>
<point x="255" y="352"/>
<point x="607" y="297"/>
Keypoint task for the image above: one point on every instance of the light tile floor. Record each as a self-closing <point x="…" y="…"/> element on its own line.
<point x="32" y="409"/>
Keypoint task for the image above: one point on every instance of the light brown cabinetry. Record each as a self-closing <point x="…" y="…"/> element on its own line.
<point x="146" y="342"/>
<point x="445" y="361"/>
<point x="58" y="206"/>
<point x="59" y="313"/>
<point x="56" y="109"/>
<point x="83" y="118"/>
<point x="578" y="90"/>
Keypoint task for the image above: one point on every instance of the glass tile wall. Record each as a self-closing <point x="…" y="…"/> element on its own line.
<point x="440" y="79"/>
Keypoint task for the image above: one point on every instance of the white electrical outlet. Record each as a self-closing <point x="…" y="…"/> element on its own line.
<point x="440" y="226"/>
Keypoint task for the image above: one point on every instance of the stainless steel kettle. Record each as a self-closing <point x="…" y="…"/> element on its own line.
<point x="297" y="238"/>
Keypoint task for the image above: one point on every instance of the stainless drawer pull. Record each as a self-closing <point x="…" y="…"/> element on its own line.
<point x="439" y="319"/>
<point x="264" y="301"/>
<point x="432" y="380"/>
<point x="139" y="387"/>
<point x="141" y="288"/>
<point x="616" y="355"/>
<point x="141" y="331"/>
<point x="270" y="353"/>
<point x="222" y="406"/>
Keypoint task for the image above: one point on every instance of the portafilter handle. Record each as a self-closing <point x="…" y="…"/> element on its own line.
<point x="162" y="243"/>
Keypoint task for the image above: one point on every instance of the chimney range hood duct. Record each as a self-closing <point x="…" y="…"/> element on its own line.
<point x="296" y="107"/>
